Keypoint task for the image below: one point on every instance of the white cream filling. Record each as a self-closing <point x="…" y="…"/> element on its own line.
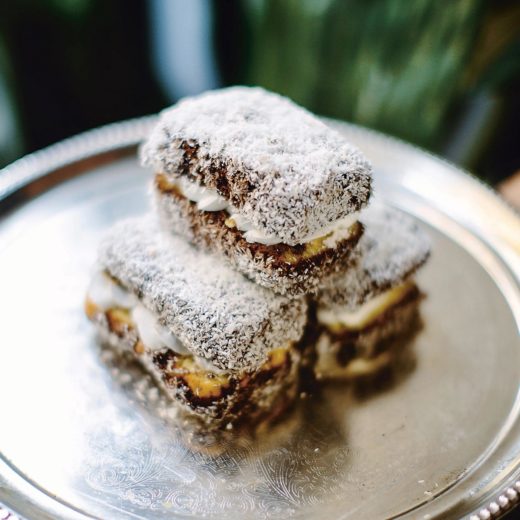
<point x="107" y="294"/>
<point x="358" y="318"/>
<point x="154" y="335"/>
<point x="206" y="365"/>
<point x="208" y="199"/>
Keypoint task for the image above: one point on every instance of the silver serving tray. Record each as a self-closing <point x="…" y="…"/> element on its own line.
<point x="82" y="437"/>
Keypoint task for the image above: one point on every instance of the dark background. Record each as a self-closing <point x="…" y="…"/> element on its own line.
<point x="444" y="75"/>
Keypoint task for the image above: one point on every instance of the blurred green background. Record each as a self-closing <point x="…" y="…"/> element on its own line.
<point x="442" y="74"/>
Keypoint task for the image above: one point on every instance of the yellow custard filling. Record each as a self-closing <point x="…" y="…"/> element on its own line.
<point x="277" y="357"/>
<point x="202" y="382"/>
<point x="311" y="249"/>
<point x="165" y="184"/>
<point x="340" y="319"/>
<point x="207" y="384"/>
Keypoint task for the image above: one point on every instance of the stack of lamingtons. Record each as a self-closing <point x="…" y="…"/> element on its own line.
<point x="254" y="239"/>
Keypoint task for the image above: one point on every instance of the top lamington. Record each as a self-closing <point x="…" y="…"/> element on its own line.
<point x="280" y="166"/>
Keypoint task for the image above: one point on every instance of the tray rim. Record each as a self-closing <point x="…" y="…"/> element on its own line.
<point x="129" y="133"/>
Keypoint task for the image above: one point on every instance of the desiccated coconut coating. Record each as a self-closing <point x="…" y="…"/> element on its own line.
<point x="214" y="311"/>
<point x="286" y="172"/>
<point x="391" y="249"/>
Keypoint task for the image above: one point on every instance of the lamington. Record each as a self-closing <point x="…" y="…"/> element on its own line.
<point x="365" y="316"/>
<point x="261" y="181"/>
<point x="218" y="344"/>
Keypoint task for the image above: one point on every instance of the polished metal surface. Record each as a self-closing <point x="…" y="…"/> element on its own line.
<point x="82" y="436"/>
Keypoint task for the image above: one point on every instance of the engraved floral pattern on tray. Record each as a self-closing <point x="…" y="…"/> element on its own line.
<point x="194" y="474"/>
